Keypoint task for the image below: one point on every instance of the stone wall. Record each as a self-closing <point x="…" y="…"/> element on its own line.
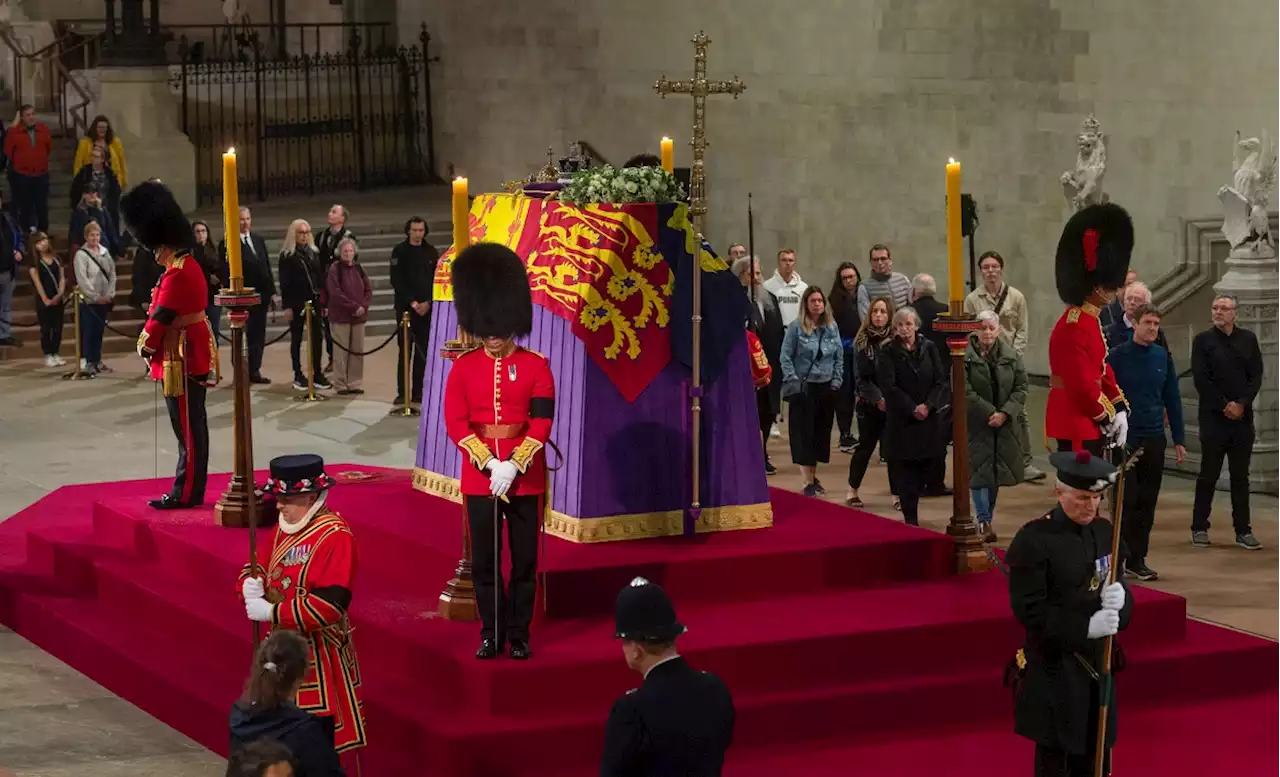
<point x="852" y="109"/>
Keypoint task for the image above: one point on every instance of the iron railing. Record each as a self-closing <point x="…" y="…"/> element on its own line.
<point x="53" y="89"/>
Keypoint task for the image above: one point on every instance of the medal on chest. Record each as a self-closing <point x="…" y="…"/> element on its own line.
<point x="1101" y="570"/>
<point x="511" y="373"/>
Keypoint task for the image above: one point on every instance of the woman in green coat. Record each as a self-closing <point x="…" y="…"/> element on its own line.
<point x="995" y="385"/>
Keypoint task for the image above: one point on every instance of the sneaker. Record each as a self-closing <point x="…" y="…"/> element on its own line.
<point x="846" y="443"/>
<point x="818" y="485"/>
<point x="1032" y="474"/>
<point x="1248" y="541"/>
<point x="811" y="490"/>
<point x="1200" y="539"/>
<point x="775" y="432"/>
<point x="49" y="361"/>
<point x="300" y="385"/>
<point x="102" y="367"/>
<point x="1143" y="572"/>
<point x="321" y="383"/>
<point x="988" y="533"/>
<point x="769" y="469"/>
<point x="58" y="360"/>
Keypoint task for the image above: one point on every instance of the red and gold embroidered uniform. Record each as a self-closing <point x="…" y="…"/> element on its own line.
<point x="761" y="371"/>
<point x="1083" y="393"/>
<point x="177" y="339"/>
<point x="500" y="407"/>
<point x="308" y="579"/>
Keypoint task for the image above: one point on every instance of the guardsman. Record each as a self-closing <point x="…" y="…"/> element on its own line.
<point x="177" y="339"/>
<point x="1086" y="408"/>
<point x="499" y="401"/>
<point x="680" y="720"/>
<point x="1058" y="569"/>
<point x="309" y="567"/>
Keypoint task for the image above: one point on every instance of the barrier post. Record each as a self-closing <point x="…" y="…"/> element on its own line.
<point x="311" y="395"/>
<point x="406" y="369"/>
<point x="77" y="373"/>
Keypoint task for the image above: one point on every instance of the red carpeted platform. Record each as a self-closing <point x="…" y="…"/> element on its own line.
<point x="844" y="637"/>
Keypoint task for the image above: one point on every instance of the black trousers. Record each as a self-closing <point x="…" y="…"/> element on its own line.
<point x="255" y="330"/>
<point x="809" y="418"/>
<point x="30" y="195"/>
<point x="297" y="333"/>
<point x="191" y="428"/>
<point x="1232" y="440"/>
<point x="908" y="478"/>
<point x="328" y="340"/>
<point x="870" y="429"/>
<point x="51" y="320"/>
<point x="1053" y="762"/>
<point x="1141" y="490"/>
<point x="505" y="610"/>
<point x="419" y="333"/>
<point x="764" y="409"/>
<point x="846" y="398"/>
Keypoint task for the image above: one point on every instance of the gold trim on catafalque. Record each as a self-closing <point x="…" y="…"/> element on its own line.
<point x="614" y="528"/>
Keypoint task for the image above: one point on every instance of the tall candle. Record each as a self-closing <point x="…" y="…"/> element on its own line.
<point x="668" y="155"/>
<point x="461" y="216"/>
<point x="955" y="269"/>
<point x="231" y="216"/>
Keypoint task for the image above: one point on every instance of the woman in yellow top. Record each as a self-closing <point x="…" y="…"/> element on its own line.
<point x="100" y="133"/>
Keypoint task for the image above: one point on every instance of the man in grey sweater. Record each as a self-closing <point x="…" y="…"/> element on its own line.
<point x="883" y="282"/>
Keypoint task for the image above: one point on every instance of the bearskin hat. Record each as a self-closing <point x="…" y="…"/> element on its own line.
<point x="491" y="292"/>
<point x="1093" y="252"/>
<point x="154" y="217"/>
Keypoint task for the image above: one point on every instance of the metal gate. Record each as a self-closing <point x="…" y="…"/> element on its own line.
<point x="310" y="123"/>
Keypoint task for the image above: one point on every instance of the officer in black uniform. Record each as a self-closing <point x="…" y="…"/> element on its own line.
<point x="680" y="720"/>
<point x="1058" y="568"/>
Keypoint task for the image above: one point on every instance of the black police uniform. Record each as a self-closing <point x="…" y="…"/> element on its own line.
<point x="680" y="720"/>
<point x="1057" y="570"/>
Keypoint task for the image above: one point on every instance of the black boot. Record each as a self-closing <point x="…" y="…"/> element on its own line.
<point x="168" y="502"/>
<point x="520" y="650"/>
<point x="488" y="649"/>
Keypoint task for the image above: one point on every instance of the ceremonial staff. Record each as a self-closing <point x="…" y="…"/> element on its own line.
<point x="698" y="87"/>
<point x="751" y="248"/>
<point x="1104" y="676"/>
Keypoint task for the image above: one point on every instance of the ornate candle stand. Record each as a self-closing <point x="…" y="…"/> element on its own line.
<point x="237" y="507"/>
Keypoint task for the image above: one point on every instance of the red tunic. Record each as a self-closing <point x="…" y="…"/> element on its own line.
<point x="309" y="576"/>
<point x="1083" y="393"/>
<point x="177" y="331"/>
<point x="500" y="407"/>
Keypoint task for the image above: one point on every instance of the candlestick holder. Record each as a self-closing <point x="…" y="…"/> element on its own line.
<point x="970" y="550"/>
<point x="237" y="505"/>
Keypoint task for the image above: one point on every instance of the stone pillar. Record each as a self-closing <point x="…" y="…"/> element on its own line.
<point x="146" y="116"/>
<point x="134" y="41"/>
<point x="1253" y="279"/>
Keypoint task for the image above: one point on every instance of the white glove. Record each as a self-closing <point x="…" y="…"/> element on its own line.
<point x="1104" y="623"/>
<point x="501" y="475"/>
<point x="1113" y="597"/>
<point x="1118" y="430"/>
<point x="252" y="588"/>
<point x="260" y="610"/>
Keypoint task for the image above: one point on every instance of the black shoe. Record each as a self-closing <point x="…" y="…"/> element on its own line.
<point x="259" y="380"/>
<point x="1143" y="572"/>
<point x="811" y="490"/>
<point x="398" y="401"/>
<point x="818" y="485"/>
<point x="769" y="469"/>
<point x="321" y="383"/>
<point x="488" y="649"/>
<point x="168" y="502"/>
<point x="519" y="650"/>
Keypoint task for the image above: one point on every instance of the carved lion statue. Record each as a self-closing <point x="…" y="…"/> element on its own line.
<point x="1083" y="185"/>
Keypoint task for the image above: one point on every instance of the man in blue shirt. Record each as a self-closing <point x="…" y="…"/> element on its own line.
<point x="1144" y="369"/>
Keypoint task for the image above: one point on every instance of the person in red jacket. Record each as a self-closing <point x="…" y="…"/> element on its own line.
<point x="499" y="401"/>
<point x="177" y="339"/>
<point x="28" y="145"/>
<point x="1086" y="408"/>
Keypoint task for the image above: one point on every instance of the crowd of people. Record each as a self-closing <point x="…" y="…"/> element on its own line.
<point x="868" y="350"/>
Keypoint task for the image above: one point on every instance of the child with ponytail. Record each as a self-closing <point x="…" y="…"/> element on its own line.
<point x="266" y="710"/>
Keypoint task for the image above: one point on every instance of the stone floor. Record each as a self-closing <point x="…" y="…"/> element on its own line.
<point x="56" y="723"/>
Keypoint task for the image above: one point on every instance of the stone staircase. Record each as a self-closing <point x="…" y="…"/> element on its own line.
<point x="377" y="235"/>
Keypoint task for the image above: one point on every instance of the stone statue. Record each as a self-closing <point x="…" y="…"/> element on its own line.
<point x="1083" y="186"/>
<point x="1244" y="202"/>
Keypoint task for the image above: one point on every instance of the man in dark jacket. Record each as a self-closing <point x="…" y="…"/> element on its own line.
<point x="924" y="290"/>
<point x="680" y="720"/>
<point x="1227" y="366"/>
<point x="1058" y="571"/>
<point x="413" y="269"/>
<point x="766" y="322"/>
<point x="258" y="276"/>
<point x="327" y="243"/>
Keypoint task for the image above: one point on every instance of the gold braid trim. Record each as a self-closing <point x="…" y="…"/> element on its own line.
<point x="1108" y="410"/>
<point x="524" y="453"/>
<point x="476" y="450"/>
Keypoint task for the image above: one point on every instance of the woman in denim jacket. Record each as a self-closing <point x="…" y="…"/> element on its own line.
<point x="812" y="362"/>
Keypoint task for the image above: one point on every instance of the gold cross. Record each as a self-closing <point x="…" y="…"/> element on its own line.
<point x="699" y="87"/>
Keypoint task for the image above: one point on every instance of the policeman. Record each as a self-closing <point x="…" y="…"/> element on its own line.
<point x="680" y="720"/>
<point x="1058" y="569"/>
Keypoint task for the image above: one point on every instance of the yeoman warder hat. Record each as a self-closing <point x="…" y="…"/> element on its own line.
<point x="301" y="473"/>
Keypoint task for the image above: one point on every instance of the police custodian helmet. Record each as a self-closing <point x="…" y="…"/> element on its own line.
<point x="644" y="613"/>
